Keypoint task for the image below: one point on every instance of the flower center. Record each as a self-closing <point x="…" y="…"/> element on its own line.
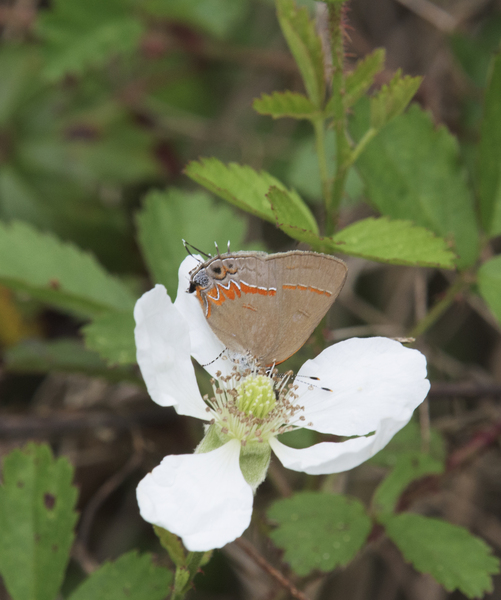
<point x="256" y="396"/>
<point x="254" y="405"/>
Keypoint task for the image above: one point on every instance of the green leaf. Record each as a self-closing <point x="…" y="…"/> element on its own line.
<point x="454" y="557"/>
<point x="412" y="171"/>
<point x="78" y="35"/>
<point x="409" y="466"/>
<point x="18" y="66"/>
<point x="68" y="356"/>
<point x="395" y="242"/>
<point x="169" y="217"/>
<point x="37" y="517"/>
<point x="409" y="440"/>
<point x="131" y="577"/>
<point x="219" y="18"/>
<point x="111" y="336"/>
<point x="362" y="77"/>
<point x="489" y="284"/>
<point x="306" y="47"/>
<point x="392" y="99"/>
<point x="285" y="104"/>
<point x="57" y="273"/>
<point x="319" y="531"/>
<point x="290" y="217"/>
<point x="489" y="159"/>
<point x="242" y="186"/>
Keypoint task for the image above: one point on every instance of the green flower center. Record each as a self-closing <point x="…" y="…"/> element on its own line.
<point x="256" y="396"/>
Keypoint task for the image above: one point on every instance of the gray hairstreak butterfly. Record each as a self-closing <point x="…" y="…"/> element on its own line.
<point x="267" y="305"/>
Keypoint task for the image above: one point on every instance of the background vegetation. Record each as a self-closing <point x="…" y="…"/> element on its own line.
<point x="106" y="109"/>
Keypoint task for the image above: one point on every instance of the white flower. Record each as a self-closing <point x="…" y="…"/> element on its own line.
<point x="206" y="498"/>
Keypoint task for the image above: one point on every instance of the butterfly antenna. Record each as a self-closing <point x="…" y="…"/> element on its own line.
<point x="187" y="247"/>
<point x="228" y="246"/>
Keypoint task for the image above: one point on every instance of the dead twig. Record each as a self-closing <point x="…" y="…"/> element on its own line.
<point x="251" y="551"/>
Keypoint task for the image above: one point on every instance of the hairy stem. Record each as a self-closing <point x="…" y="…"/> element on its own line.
<point x="343" y="150"/>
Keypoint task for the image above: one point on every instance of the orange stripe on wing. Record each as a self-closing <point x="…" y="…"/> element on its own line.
<point x="253" y="289"/>
<point x="305" y="288"/>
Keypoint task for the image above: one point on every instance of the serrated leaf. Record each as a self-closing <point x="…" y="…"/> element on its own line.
<point x="409" y="440"/>
<point x="68" y="356"/>
<point x="111" y="336"/>
<point x="78" y="35"/>
<point x="489" y="159"/>
<point x="319" y="531"/>
<point x="393" y="98"/>
<point x="217" y="17"/>
<point x="409" y="466"/>
<point x="394" y="242"/>
<point x="171" y="216"/>
<point x="37" y="517"/>
<point x="306" y="47"/>
<point x="57" y="273"/>
<point x="285" y="104"/>
<point x="454" y="557"/>
<point x="362" y="77"/>
<point x="242" y="186"/>
<point x="130" y="577"/>
<point x="412" y="171"/>
<point x="290" y="217"/>
<point x="489" y="284"/>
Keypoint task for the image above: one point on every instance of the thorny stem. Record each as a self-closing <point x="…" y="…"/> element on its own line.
<point x="318" y="125"/>
<point x="343" y="150"/>
<point x="441" y="306"/>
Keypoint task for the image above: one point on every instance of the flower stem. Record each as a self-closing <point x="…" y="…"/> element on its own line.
<point x="185" y="575"/>
<point x="441" y="306"/>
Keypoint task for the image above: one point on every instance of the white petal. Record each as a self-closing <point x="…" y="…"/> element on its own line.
<point x="371" y="379"/>
<point x="331" y="457"/>
<point x="206" y="348"/>
<point x="163" y="354"/>
<point x="203" y="498"/>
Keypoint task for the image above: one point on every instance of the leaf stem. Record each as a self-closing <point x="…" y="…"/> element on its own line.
<point x="441" y="306"/>
<point x="360" y="147"/>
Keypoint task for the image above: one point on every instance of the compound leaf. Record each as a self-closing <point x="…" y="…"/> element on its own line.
<point x="395" y="242"/>
<point x="318" y="530"/>
<point x="131" y="577"/>
<point x="392" y="99"/>
<point x="57" y="272"/>
<point x="285" y="104"/>
<point x="78" y="35"/>
<point x="306" y="47"/>
<point x="412" y="171"/>
<point x="242" y="186"/>
<point x="454" y="557"/>
<point x="37" y="517"/>
<point x="409" y="466"/>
